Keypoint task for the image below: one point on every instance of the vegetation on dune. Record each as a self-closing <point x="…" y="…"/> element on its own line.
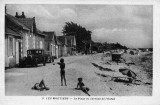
<point x="146" y="63"/>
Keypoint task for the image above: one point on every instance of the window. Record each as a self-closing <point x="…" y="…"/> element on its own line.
<point x="10" y="46"/>
<point x="27" y="44"/>
<point x="41" y="44"/>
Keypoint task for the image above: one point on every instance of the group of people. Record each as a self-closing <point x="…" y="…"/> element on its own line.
<point x="80" y="85"/>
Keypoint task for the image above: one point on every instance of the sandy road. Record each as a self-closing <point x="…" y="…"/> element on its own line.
<point x="19" y="81"/>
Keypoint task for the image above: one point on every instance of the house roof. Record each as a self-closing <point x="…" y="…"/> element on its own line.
<point x="59" y="42"/>
<point x="49" y="35"/>
<point x="61" y="39"/>
<point x="15" y="21"/>
<point x="25" y="23"/>
<point x="40" y="33"/>
<point x="11" y="32"/>
<point x="28" y="22"/>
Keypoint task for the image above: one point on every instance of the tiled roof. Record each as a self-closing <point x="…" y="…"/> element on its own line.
<point x="28" y="22"/>
<point x="11" y="32"/>
<point x="15" y="21"/>
<point x="49" y="35"/>
<point x="40" y="33"/>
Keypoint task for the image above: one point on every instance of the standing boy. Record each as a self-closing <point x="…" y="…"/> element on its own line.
<point x="62" y="71"/>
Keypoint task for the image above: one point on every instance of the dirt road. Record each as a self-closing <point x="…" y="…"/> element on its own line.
<point x="19" y="81"/>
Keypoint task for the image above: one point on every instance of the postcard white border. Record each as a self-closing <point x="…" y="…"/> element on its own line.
<point x="119" y="100"/>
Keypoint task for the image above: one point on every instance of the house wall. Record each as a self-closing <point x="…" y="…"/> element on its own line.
<point x="57" y="51"/>
<point x="10" y="50"/>
<point x="54" y="47"/>
<point x="54" y="50"/>
<point x="39" y="42"/>
<point x="69" y="49"/>
<point x="46" y="45"/>
<point x="61" y="51"/>
<point x="50" y="46"/>
<point x="6" y="52"/>
<point x="28" y="42"/>
<point x="65" y="51"/>
<point x="69" y="52"/>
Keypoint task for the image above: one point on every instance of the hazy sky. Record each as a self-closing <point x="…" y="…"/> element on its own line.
<point x="130" y="25"/>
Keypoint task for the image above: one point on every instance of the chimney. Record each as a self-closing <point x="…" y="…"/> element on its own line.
<point x="16" y="15"/>
<point x="23" y="16"/>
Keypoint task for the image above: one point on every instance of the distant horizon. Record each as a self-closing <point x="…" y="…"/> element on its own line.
<point x="130" y="25"/>
<point x="129" y="47"/>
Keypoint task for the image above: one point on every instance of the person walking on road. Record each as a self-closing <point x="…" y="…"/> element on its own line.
<point x="62" y="71"/>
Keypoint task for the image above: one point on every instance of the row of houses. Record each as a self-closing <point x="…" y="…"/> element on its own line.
<point x="21" y="34"/>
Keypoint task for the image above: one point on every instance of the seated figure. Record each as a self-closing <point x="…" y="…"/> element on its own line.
<point x="81" y="86"/>
<point x="40" y="86"/>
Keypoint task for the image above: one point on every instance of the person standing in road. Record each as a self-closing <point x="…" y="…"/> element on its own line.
<point x="62" y="71"/>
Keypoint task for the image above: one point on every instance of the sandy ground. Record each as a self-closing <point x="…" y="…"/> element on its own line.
<point x="19" y="81"/>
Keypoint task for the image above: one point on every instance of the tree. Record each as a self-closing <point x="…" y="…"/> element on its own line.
<point x="81" y="34"/>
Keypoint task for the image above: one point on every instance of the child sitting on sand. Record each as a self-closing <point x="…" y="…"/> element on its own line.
<point x="40" y="86"/>
<point x="81" y="86"/>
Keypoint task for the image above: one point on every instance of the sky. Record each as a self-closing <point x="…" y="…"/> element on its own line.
<point x="129" y="25"/>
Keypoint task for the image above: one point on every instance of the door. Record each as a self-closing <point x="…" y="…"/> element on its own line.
<point x="20" y="48"/>
<point x="6" y="53"/>
<point x="51" y="50"/>
<point x="17" y="52"/>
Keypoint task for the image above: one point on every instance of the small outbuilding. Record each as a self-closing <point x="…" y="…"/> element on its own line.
<point x="116" y="57"/>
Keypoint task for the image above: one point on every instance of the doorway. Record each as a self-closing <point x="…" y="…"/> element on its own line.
<point x="18" y="51"/>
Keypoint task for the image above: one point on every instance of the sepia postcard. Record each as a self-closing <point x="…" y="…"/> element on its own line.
<point x="80" y="52"/>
